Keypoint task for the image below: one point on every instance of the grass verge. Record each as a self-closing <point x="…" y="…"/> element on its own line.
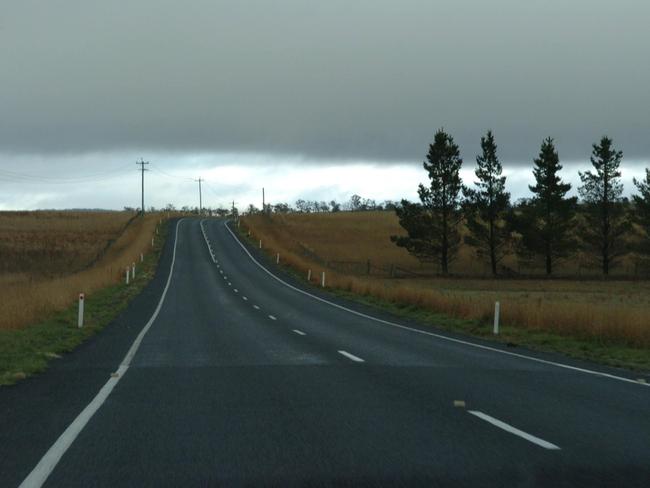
<point x="605" y="352"/>
<point x="27" y="351"/>
<point x="595" y="349"/>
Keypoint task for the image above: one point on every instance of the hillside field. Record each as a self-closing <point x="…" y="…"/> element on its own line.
<point x="355" y="251"/>
<point x="48" y="258"/>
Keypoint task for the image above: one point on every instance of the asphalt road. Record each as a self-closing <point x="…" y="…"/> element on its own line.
<point x="243" y="379"/>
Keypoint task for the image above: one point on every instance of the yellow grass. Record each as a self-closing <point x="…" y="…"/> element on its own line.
<point x="612" y="310"/>
<point x="50" y="257"/>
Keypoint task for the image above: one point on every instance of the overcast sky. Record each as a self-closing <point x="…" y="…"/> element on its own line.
<point x="310" y="99"/>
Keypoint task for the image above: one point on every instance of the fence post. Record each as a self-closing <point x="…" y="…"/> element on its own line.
<point x="80" y="317"/>
<point x="496" y="318"/>
<point x="322" y="282"/>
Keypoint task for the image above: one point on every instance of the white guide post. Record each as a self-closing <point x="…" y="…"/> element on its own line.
<point x="141" y="257"/>
<point x="277" y="259"/>
<point x="152" y="242"/>
<point x="496" y="318"/>
<point x="132" y="271"/>
<point x="80" y="318"/>
<point x="309" y="275"/>
<point x="260" y="243"/>
<point x="322" y="279"/>
<point x="127" y="275"/>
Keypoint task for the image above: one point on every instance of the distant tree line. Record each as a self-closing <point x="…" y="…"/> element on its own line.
<point x="186" y="209"/>
<point x="547" y="227"/>
<point x="356" y="203"/>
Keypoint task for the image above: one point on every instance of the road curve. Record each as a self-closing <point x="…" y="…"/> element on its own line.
<point x="243" y="380"/>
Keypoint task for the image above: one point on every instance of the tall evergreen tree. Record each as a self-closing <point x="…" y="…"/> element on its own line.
<point x="432" y="225"/>
<point x="486" y="205"/>
<point x="548" y="218"/>
<point x="605" y="220"/>
<point x="641" y="214"/>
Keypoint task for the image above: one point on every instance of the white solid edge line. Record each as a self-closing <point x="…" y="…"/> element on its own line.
<point x="299" y="332"/>
<point x="513" y="430"/>
<point x="433" y="334"/>
<point x="354" y="358"/>
<point x="48" y="462"/>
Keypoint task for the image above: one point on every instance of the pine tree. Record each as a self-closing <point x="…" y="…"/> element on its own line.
<point x="549" y="217"/>
<point x="486" y="205"/>
<point x="432" y="225"/>
<point x="642" y="210"/>
<point x="605" y="220"/>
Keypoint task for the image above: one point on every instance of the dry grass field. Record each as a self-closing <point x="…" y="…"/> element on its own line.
<point x="47" y="258"/>
<point x="593" y="309"/>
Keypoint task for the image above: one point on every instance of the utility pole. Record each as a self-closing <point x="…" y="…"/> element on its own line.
<point x="200" y="197"/>
<point x="142" y="162"/>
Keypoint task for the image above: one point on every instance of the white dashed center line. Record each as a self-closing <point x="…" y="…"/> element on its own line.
<point x="256" y="307"/>
<point x="272" y="317"/>
<point x="236" y="290"/>
<point x="245" y="298"/>
<point x="351" y="356"/>
<point x="513" y="430"/>
<point x="299" y="332"/>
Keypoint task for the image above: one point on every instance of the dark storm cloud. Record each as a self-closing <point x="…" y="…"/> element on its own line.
<point x="334" y="79"/>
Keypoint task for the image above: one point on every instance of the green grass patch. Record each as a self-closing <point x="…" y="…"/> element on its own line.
<point x="27" y="351"/>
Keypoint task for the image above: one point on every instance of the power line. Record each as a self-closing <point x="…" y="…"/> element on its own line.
<point x="18" y="177"/>
<point x="168" y="175"/>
